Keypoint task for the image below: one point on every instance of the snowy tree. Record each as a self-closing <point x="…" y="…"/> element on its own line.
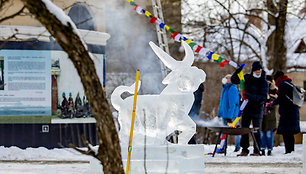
<point x="241" y="30"/>
<point x="67" y="36"/>
<point x="238" y="30"/>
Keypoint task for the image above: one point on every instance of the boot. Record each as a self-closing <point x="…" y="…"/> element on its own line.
<point x="244" y="152"/>
<point x="236" y="150"/>
<point x="263" y="153"/>
<point x="269" y="153"/>
<point x="255" y="154"/>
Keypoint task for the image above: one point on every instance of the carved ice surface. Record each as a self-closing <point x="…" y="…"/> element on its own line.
<point x="157" y="116"/>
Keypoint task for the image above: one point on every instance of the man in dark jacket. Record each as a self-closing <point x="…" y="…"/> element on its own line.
<point x="256" y="91"/>
<point x="289" y="121"/>
<point x="196" y="106"/>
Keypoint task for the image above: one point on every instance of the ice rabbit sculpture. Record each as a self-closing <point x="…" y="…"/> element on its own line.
<point x="157" y="116"/>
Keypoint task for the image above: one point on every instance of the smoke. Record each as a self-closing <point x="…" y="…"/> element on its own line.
<point x="215" y="122"/>
<point x="128" y="48"/>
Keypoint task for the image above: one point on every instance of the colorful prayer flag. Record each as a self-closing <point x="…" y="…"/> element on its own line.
<point x="162" y="25"/>
<point x="240" y="75"/>
<point x="197" y="48"/>
<point x="148" y="14"/>
<point x="167" y="27"/>
<point x="203" y="51"/>
<point x="138" y="9"/>
<point x="222" y="64"/>
<point x="188" y="41"/>
<point x="176" y="36"/>
<point x="153" y="19"/>
<point x="215" y="56"/>
<point x="234" y="64"/>
<point x="210" y="54"/>
<point x="192" y="44"/>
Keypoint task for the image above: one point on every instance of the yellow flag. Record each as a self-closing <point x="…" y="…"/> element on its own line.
<point x="167" y="27"/>
<point x="215" y="56"/>
<point x="235" y="121"/>
<point x="148" y="14"/>
<point x="188" y="41"/>
<point x="129" y="0"/>
<point x="240" y="75"/>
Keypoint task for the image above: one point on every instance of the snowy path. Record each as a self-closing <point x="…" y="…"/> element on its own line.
<point x="66" y="161"/>
<point x="43" y="168"/>
<point x="210" y="168"/>
<point x="253" y="168"/>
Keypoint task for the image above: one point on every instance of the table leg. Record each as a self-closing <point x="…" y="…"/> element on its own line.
<point x="218" y="141"/>
<point x="225" y="146"/>
<point x="255" y="142"/>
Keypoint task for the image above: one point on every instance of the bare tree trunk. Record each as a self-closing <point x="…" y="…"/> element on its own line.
<point x="109" y="147"/>
<point x="276" y="43"/>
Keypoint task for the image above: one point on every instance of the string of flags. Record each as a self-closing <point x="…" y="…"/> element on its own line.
<point x="201" y="51"/>
<point x="179" y="37"/>
<point x="197" y="49"/>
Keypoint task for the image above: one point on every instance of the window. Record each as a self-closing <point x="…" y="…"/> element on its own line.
<point x="81" y="16"/>
<point x="301" y="47"/>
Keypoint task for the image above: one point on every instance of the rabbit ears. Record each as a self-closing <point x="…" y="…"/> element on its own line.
<point x="170" y="62"/>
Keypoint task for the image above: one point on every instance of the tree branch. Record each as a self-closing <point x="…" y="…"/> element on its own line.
<point x="89" y="151"/>
<point x="13" y="15"/>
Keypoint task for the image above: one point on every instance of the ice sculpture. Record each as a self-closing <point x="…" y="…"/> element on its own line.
<point x="157" y="116"/>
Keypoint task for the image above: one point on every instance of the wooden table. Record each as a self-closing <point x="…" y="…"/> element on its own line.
<point x="233" y="131"/>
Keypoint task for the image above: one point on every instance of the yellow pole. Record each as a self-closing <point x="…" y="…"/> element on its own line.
<point x="132" y="124"/>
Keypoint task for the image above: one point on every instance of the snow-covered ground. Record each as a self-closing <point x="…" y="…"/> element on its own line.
<point x="67" y="161"/>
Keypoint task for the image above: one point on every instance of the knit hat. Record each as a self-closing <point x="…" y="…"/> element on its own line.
<point x="278" y="74"/>
<point x="256" y="66"/>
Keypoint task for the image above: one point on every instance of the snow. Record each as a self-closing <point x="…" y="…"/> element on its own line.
<point x="217" y="36"/>
<point x="14" y="160"/>
<point x="41" y="154"/>
<point x="295" y="31"/>
<point x="303" y="126"/>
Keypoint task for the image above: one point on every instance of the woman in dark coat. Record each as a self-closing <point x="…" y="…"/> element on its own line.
<point x="289" y="121"/>
<point x="269" y="120"/>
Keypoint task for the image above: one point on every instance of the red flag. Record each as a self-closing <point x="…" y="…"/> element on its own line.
<point x="153" y="19"/>
<point x="198" y="49"/>
<point x="176" y="36"/>
<point x="222" y="64"/>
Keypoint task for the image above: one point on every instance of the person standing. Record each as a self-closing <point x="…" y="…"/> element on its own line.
<point x="256" y="91"/>
<point x="229" y="105"/>
<point x="196" y="107"/>
<point x="289" y="121"/>
<point x="269" y="120"/>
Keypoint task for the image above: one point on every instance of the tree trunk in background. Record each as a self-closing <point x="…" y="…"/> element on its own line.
<point x="109" y="147"/>
<point x="172" y="16"/>
<point x="276" y="48"/>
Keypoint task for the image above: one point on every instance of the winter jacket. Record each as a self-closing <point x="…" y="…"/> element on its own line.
<point x="196" y="106"/>
<point x="269" y="117"/>
<point x="256" y="91"/>
<point x="289" y="121"/>
<point x="229" y="102"/>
